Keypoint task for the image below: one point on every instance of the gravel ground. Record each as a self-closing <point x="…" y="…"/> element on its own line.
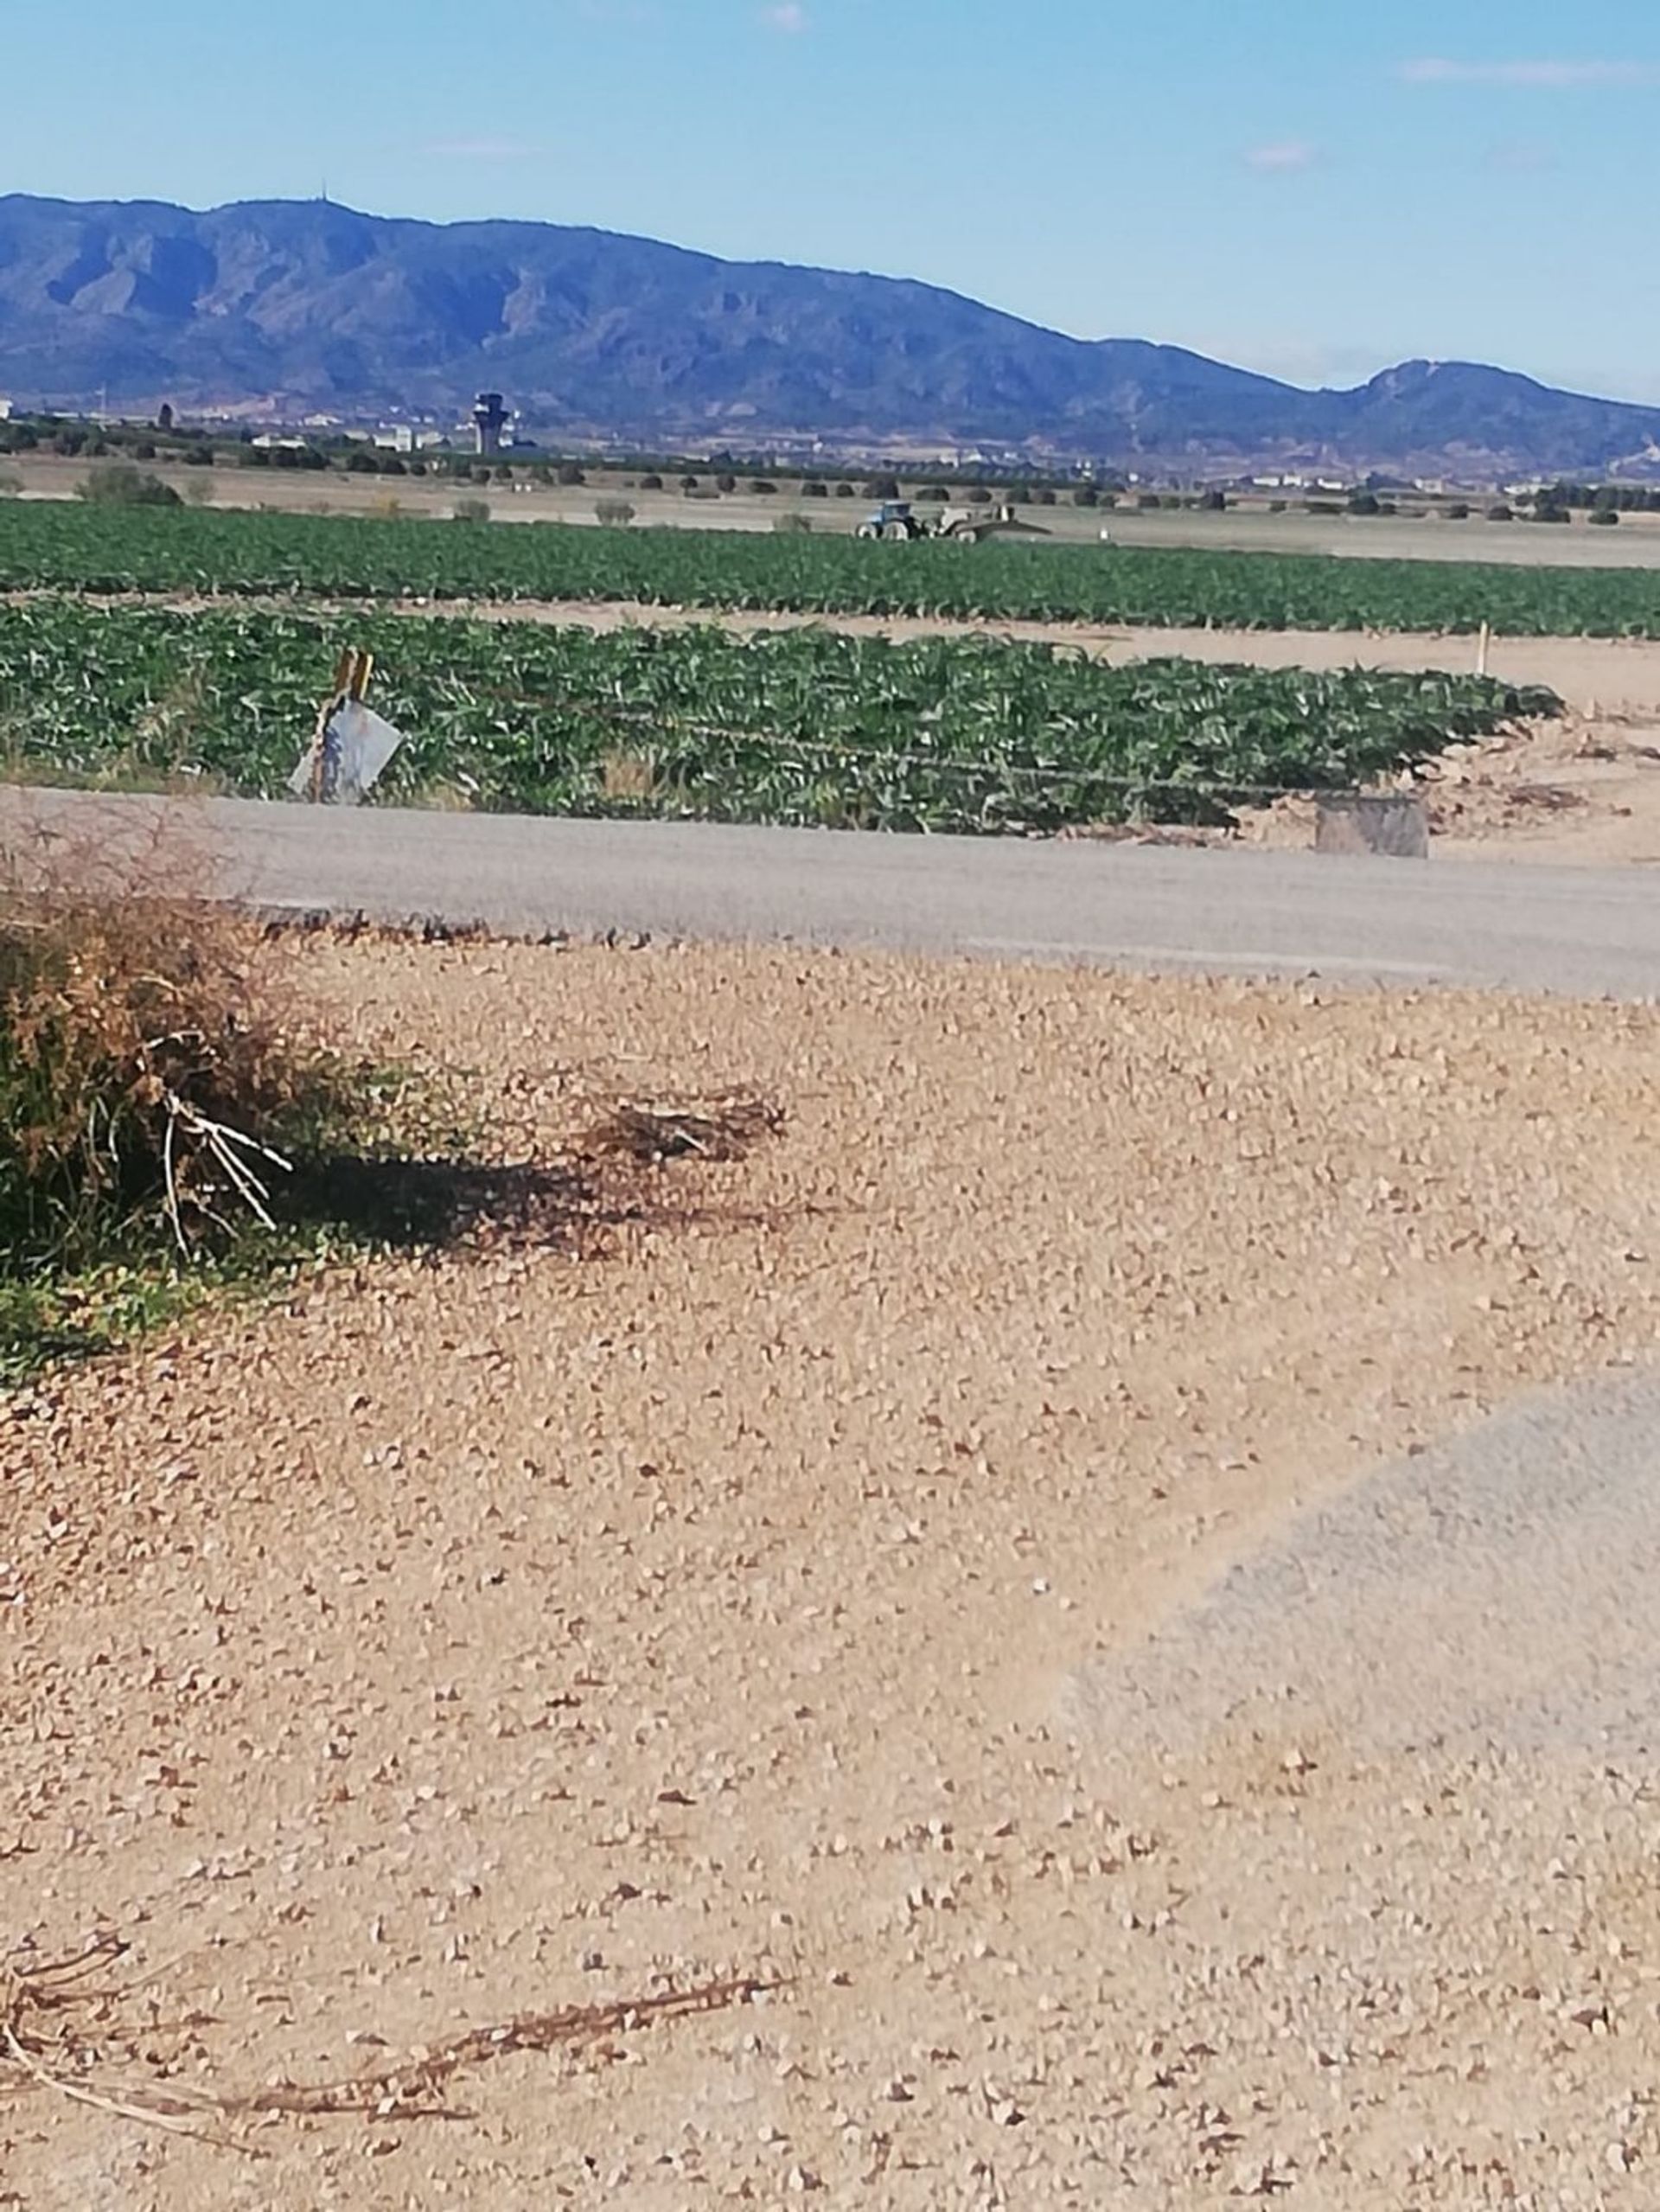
<point x="1497" y="1595"/>
<point x="1419" y="1729"/>
<point x="757" y="1585"/>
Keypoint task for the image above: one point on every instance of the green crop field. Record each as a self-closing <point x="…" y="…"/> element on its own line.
<point x="804" y="725"/>
<point x="58" y="546"/>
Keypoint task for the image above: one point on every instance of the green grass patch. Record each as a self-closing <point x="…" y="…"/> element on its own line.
<point x="62" y="1314"/>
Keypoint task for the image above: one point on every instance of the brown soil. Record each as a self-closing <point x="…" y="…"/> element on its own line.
<point x="1584" y="791"/>
<point x="1580" y="792"/>
<point x="547" y="1623"/>
<point x="1248" y="527"/>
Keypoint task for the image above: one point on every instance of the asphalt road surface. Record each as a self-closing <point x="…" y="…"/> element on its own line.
<point x="1579" y="931"/>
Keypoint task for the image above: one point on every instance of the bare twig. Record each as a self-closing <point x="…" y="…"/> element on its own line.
<point x="169" y="1181"/>
<point x="418" y="2087"/>
<point x="221" y="1140"/>
<point x="146" y="2115"/>
<point x="415" y="2089"/>
<point x="46" y="1985"/>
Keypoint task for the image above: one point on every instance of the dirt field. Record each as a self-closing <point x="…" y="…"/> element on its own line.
<point x="702" y="1595"/>
<point x="1635" y="544"/>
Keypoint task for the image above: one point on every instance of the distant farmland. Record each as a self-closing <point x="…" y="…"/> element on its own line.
<point x="59" y="547"/>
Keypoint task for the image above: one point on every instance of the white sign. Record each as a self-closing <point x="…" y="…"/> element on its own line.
<point x="349" y="757"/>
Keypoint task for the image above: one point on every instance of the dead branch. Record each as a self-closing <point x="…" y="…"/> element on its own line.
<point x="38" y="2049"/>
<point x="651" y="1131"/>
<point x="416" y="2088"/>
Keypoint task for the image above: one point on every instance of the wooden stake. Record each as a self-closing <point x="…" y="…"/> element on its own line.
<point x="352" y="671"/>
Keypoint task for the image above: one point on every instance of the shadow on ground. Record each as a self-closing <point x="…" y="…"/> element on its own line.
<point x="404" y="1204"/>
<point x="627" y="1167"/>
<point x="632" y="1172"/>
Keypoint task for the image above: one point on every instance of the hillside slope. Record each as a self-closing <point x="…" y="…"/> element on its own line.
<point x="306" y="304"/>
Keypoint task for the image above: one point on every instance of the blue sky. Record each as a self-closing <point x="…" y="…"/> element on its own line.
<point x="1314" y="188"/>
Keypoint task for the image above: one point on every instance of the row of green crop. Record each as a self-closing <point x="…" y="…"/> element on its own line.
<point x="805" y="725"/>
<point x="58" y="546"/>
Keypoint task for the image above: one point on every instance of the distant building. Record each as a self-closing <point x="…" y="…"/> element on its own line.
<point x="5" y="410"/>
<point x="489" y="423"/>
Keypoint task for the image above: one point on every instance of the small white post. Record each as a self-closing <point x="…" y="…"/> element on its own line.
<point x="1482" y="644"/>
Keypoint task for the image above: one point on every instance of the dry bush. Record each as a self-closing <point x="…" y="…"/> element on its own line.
<point x="151" y="1077"/>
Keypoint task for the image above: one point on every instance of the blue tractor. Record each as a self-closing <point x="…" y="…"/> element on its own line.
<point x="895" y="521"/>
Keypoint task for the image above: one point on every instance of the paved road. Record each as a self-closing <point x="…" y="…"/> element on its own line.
<point x="1587" y="932"/>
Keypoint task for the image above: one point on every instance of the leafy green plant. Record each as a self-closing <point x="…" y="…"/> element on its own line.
<point x="44" y="545"/>
<point x="804" y="725"/>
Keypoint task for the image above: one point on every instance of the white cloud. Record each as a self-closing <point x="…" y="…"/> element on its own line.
<point x="481" y="150"/>
<point x="1282" y="158"/>
<point x="1313" y="365"/>
<point x="789" y="16"/>
<point x="1547" y="76"/>
<point x="1292" y="358"/>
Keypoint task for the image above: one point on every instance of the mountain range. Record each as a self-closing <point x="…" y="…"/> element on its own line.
<point x="283" y="307"/>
